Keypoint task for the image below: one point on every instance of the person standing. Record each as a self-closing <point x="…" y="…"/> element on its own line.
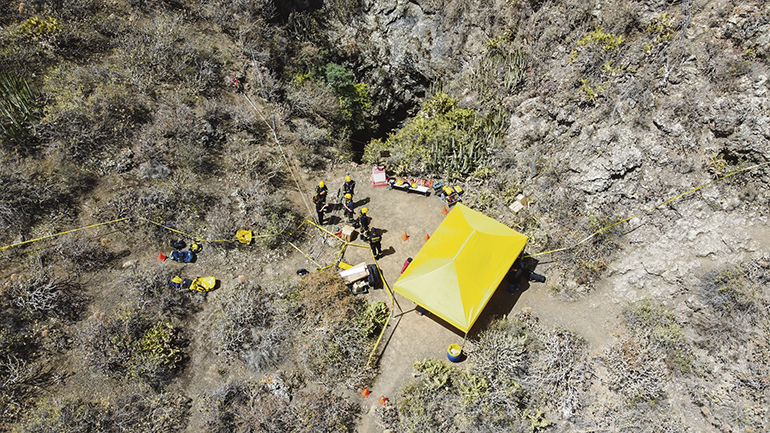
<point x="375" y="243"/>
<point x="320" y="208"/>
<point x="321" y="190"/>
<point x="349" y="187"/>
<point x="363" y="219"/>
<point x="349" y="207"/>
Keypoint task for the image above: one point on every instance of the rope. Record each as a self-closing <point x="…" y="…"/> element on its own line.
<point x="587" y="238"/>
<point x="285" y="158"/>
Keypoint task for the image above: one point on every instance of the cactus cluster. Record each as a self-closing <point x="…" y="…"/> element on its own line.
<point x="442" y="140"/>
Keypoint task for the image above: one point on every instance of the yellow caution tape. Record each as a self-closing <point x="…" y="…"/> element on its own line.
<point x="62" y="233"/>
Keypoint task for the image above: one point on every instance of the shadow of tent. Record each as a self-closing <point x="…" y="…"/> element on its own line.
<point x="500" y="304"/>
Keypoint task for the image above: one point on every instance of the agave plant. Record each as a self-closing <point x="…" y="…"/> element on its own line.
<point x="18" y="108"/>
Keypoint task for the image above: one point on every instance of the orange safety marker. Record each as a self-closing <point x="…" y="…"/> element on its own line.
<point x="162" y="257"/>
<point x="383" y="400"/>
<point x="427" y="236"/>
<point x="444" y="211"/>
<point x="405" y="237"/>
<point x="365" y="393"/>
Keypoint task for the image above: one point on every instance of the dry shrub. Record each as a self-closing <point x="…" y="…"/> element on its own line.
<point x="29" y="191"/>
<point x="659" y="328"/>
<point x="153" y="293"/>
<point x="312" y="99"/>
<point x="92" y="114"/>
<point x="161" y="52"/>
<point x="263" y="210"/>
<point x="248" y="407"/>
<point x="445" y="398"/>
<point x="617" y="416"/>
<point x="129" y="413"/>
<point x="334" y="340"/>
<point x="176" y="203"/>
<point x="40" y="294"/>
<point x="517" y="372"/>
<point x="85" y="253"/>
<point x="561" y="373"/>
<point x="35" y="309"/>
<point x="132" y="347"/>
<point x="255" y="325"/>
<point x="565" y="224"/>
<point x="19" y="382"/>
<point x="733" y="326"/>
<point x="636" y="371"/>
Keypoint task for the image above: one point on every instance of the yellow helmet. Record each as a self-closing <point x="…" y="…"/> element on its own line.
<point x="348" y="196"/>
<point x="321" y="184"/>
<point x="365" y="210"/>
<point x="347" y="178"/>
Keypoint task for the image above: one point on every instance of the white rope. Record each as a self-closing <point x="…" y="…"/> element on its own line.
<point x="286" y="159"/>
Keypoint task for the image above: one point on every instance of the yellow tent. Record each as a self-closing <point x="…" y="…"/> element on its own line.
<point x="460" y="266"/>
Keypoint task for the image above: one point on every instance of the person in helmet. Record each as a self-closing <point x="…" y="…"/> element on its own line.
<point x="349" y="207"/>
<point x="363" y="220"/>
<point x="349" y="186"/>
<point x="375" y="243"/>
<point x="321" y="190"/>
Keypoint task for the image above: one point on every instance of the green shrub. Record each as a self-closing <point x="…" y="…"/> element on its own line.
<point x="40" y="30"/>
<point x="441" y="140"/>
<point x="130" y="346"/>
<point x="72" y="415"/>
<point x="608" y="41"/>
<point x="19" y="110"/>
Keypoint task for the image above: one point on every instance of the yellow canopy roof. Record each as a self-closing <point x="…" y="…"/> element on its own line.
<point x="458" y="269"/>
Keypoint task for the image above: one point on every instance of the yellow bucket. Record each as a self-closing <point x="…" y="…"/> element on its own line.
<point x="454" y="352"/>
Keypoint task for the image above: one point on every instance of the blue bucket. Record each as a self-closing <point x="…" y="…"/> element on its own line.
<point x="454" y="352"/>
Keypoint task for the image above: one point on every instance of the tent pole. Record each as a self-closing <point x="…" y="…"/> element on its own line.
<point x="464" y="338"/>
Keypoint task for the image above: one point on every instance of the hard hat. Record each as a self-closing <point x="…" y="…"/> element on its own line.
<point x="321" y="184"/>
<point x="364" y="210"/>
<point x="347" y="178"/>
<point x="348" y="196"/>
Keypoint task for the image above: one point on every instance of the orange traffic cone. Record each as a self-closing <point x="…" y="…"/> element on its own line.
<point x="365" y="393"/>
<point x="444" y="211"/>
<point x="405" y="237"/>
<point x="426" y="238"/>
<point x="162" y="257"/>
